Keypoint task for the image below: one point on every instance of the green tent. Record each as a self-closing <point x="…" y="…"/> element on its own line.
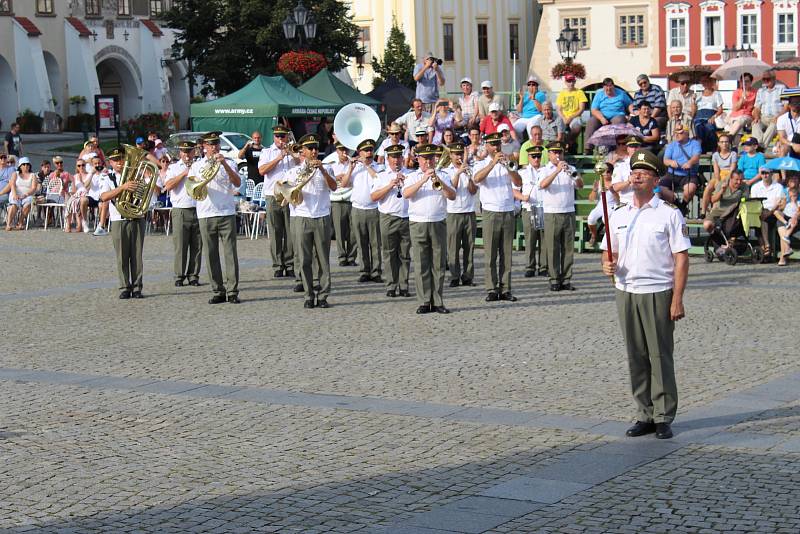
<point x="257" y="106"/>
<point x="328" y="87"/>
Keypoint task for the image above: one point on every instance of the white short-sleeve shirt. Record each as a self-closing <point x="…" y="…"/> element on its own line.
<point x="361" y="181"/>
<point x="464" y="201"/>
<point x="427" y="205"/>
<point x="559" y="196"/>
<point x="178" y="195"/>
<point x="495" y="190"/>
<point x="390" y="204"/>
<point x="788" y="125"/>
<point x="772" y="194"/>
<point x="621" y="173"/>
<point x="316" y="195"/>
<point x="530" y="186"/>
<point x="278" y="172"/>
<point x="220" y="200"/>
<point x="342" y="194"/>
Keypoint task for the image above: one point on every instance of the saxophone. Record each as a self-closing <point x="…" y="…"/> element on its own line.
<point x="286" y="193"/>
<point x="197" y="188"/>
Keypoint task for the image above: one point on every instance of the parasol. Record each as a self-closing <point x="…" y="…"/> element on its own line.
<point x="784" y="164"/>
<point x="607" y="135"/>
<point x="733" y="69"/>
<point x="792" y="64"/>
<point x="695" y="73"/>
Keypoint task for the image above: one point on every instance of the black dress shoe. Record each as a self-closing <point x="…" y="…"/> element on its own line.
<point x="542" y="272"/>
<point x="404" y="293"/>
<point x="217" y="299"/>
<point x="352" y="263"/>
<point x="640" y="429"/>
<point x="137" y="295"/>
<point x="178" y="283"/>
<point x="391" y="293"/>
<point x="194" y="282"/>
<point x="125" y="295"/>
<point x="440" y="309"/>
<point x="364" y="278"/>
<point x="663" y="431"/>
<point x="492" y="297"/>
<point x="234" y="299"/>
<point x="376" y="279"/>
<point x="425" y="308"/>
<point x="508" y="296"/>
<point x="454" y="282"/>
<point x="530" y="274"/>
<point x="323" y="304"/>
<point x="298" y="288"/>
<point x="343" y="263"/>
<point x="555" y="287"/>
<point x="308" y="304"/>
<point x="288" y="273"/>
<point x="567" y="287"/>
<point x="467" y="282"/>
<point x="278" y="273"/>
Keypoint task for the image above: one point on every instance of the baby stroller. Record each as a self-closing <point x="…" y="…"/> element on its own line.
<point x="730" y="240"/>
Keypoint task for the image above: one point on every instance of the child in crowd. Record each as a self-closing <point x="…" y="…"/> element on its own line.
<point x="751" y="161"/>
<point x="787" y="224"/>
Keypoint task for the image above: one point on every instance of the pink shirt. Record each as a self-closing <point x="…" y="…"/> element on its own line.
<point x="747" y="108"/>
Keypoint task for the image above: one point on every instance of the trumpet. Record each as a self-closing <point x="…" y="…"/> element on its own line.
<point x="509" y="164"/>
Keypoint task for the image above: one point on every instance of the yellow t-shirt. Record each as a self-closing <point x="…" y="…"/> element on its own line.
<point x="570" y="101"/>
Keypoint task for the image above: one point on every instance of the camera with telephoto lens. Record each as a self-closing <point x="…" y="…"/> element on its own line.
<point x="437" y="60"/>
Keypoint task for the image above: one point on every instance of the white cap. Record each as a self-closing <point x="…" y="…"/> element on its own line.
<point x="533" y="79"/>
<point x="503" y="128"/>
<point x="486" y="83"/>
<point x="494" y="106"/>
<point x="22" y="161"/>
<point x="466" y="79"/>
<point x="420" y="131"/>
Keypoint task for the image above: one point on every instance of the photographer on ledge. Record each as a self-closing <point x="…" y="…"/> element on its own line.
<point x="429" y="77"/>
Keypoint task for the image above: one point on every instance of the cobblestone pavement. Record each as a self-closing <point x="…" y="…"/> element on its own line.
<point x="167" y="414"/>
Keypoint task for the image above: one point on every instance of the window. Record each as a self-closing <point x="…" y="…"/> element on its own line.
<point x="580" y="23"/>
<point x="5" y="7"/>
<point x="513" y="40"/>
<point x="44" y="7"/>
<point x="748" y="27"/>
<point x="364" y="40"/>
<point x="156" y="8"/>
<point x="780" y="55"/>
<point x="483" y="42"/>
<point x="677" y="33"/>
<point x="785" y="33"/>
<point x="93" y="8"/>
<point x="124" y="8"/>
<point x="447" y="34"/>
<point x="712" y="25"/>
<point x="631" y="30"/>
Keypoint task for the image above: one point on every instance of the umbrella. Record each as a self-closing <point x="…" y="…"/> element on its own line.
<point x="784" y="164"/>
<point x="607" y="135"/>
<point x="733" y="69"/>
<point x="792" y="63"/>
<point x="695" y="73"/>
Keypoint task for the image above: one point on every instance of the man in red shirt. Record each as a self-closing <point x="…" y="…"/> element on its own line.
<point x="494" y="119"/>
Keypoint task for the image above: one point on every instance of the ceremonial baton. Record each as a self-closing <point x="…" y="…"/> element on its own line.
<point x="605" y="222"/>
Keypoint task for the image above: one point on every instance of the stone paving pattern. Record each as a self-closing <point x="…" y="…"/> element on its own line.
<point x="122" y="455"/>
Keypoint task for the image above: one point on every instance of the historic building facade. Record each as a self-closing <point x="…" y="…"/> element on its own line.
<point x="51" y="50"/>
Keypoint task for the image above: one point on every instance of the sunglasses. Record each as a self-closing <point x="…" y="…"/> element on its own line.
<point x="59" y="163"/>
<point x="765" y="172"/>
<point x="684" y="82"/>
<point x="532" y="83"/>
<point x="279" y="136"/>
<point x="642" y="83"/>
<point x="534" y="156"/>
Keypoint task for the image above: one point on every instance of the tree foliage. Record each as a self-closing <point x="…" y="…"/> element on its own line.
<point x="398" y="61"/>
<point x="228" y="42"/>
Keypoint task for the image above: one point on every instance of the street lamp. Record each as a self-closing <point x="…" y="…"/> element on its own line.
<point x="730" y="52"/>
<point x="359" y="67"/>
<point x="568" y="43"/>
<point x="300" y="23"/>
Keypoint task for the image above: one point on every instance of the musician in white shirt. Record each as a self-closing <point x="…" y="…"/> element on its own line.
<point x="217" y="217"/>
<point x="461" y="220"/>
<point x="393" y="209"/>
<point x="341" y="208"/>
<point x="530" y="197"/>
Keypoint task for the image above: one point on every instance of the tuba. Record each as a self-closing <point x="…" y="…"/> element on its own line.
<point x="286" y="193"/>
<point x="134" y="204"/>
<point x="197" y="187"/>
<point x="355" y="123"/>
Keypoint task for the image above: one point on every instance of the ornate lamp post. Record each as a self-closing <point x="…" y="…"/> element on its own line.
<point x="300" y="26"/>
<point x="731" y="52"/>
<point x="568" y="43"/>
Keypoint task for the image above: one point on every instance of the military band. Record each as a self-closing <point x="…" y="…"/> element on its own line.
<point x="461" y="220"/>
<point x="341" y="209"/>
<point x="530" y="199"/>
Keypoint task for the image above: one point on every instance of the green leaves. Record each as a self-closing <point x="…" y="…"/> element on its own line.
<point x="398" y="61"/>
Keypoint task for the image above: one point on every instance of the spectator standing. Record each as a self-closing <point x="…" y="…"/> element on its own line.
<point x="444" y="118"/>
<point x="488" y="98"/>
<point x="413" y="120"/>
<point x="788" y="126"/>
<point x="529" y="106"/>
<point x="682" y="159"/>
<point x="644" y="122"/>
<point x="609" y="106"/>
<point x="429" y="77"/>
<point x="551" y="124"/>
<point x="723" y="162"/>
<point x="652" y="94"/>
<point x="743" y="102"/>
<point x="251" y="153"/>
<point x="12" y="143"/>
<point x="570" y="105"/>
<point x="494" y="119"/>
<point x="751" y="161"/>
<point x="468" y="102"/>
<point x="767" y="108"/>
<point x="709" y="109"/>
<point x="685" y="96"/>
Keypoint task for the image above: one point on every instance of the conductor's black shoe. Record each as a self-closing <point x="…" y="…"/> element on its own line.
<point x="663" y="431"/>
<point x="298" y="288"/>
<point x="530" y="274"/>
<point x="404" y="293"/>
<point x="391" y="293"/>
<point x="555" y="287"/>
<point x="323" y="303"/>
<point x="308" y="304"/>
<point x="363" y="278"/>
<point x="194" y="282"/>
<point x="288" y="273"/>
<point x="137" y="295"/>
<point x="234" y="299"/>
<point x="493" y="296"/>
<point x="567" y="287"/>
<point x="217" y="299"/>
<point x="376" y="279"/>
<point x="542" y="271"/>
<point x="425" y="308"/>
<point x="125" y="295"/>
<point x="454" y="282"/>
<point x="440" y="309"/>
<point x="640" y="429"/>
<point x="178" y="283"/>
<point x="278" y="273"/>
<point x="508" y="296"/>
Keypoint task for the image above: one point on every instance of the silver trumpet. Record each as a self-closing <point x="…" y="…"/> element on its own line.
<point x="509" y="164"/>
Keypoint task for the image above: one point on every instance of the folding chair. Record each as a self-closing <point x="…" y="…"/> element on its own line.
<point x="53" y="199"/>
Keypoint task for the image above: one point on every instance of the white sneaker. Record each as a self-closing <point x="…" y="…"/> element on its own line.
<point x="85" y="228"/>
<point x="100" y="231"/>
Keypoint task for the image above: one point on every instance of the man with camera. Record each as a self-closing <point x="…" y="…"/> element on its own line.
<point x="429" y="77"/>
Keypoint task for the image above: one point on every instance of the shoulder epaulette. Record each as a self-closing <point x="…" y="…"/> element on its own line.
<point x="673" y="206"/>
<point x="622" y="205"/>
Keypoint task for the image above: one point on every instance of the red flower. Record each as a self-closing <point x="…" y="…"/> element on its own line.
<point x="306" y="63"/>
